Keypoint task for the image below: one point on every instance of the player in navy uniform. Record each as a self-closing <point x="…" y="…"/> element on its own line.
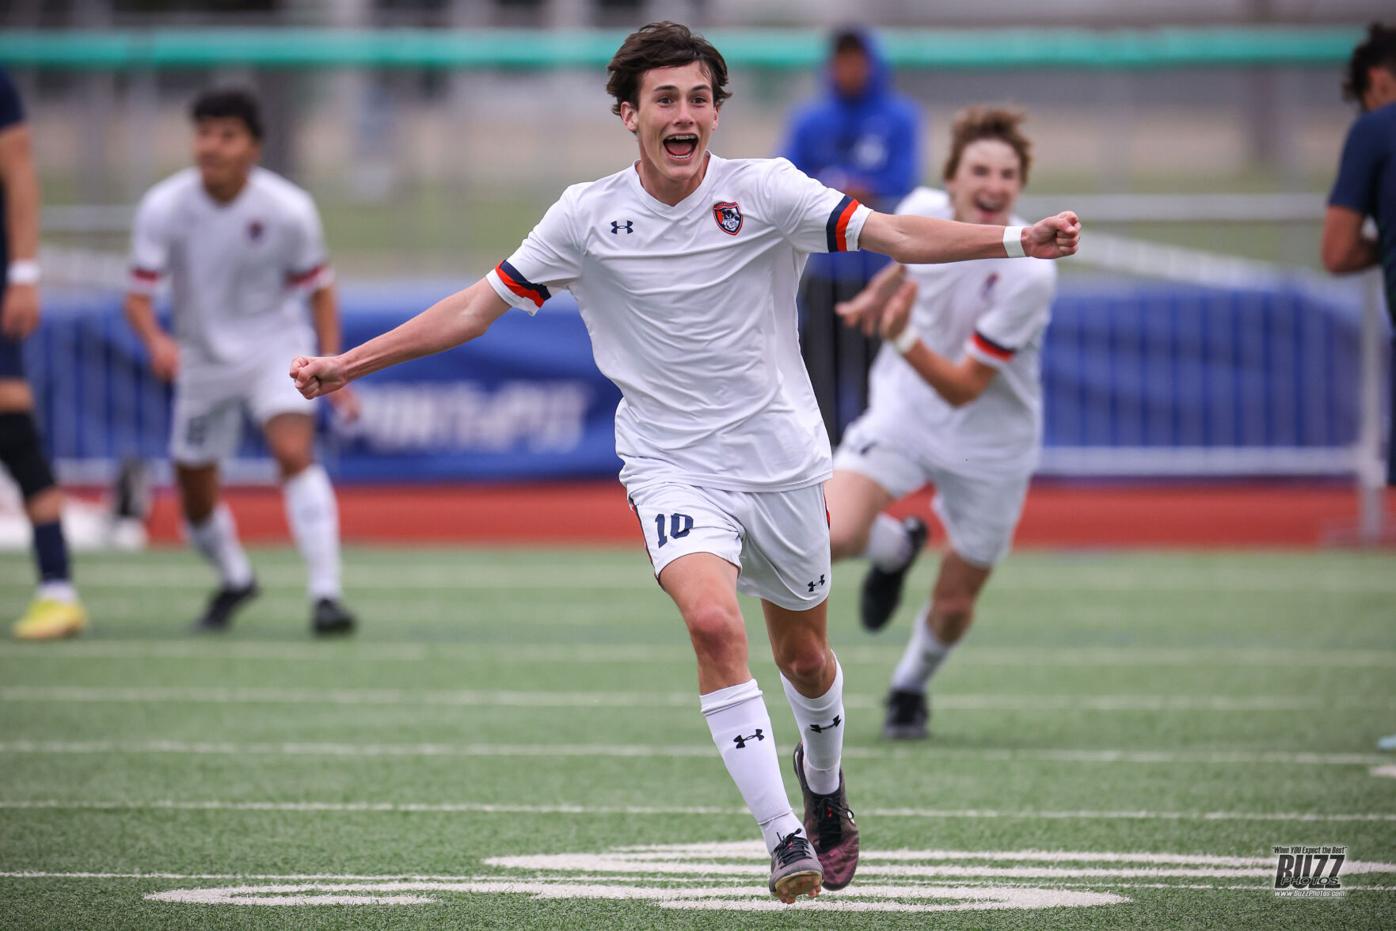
<point x="55" y="611"/>
<point x="685" y="266"/>
<point x="1366" y="187"/>
<point x="1366" y="184"/>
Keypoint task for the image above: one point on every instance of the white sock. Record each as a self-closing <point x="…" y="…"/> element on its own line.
<point x="57" y="591"/>
<point x="923" y="656"/>
<point x="822" y="725"/>
<point x="741" y="728"/>
<point x="889" y="547"/>
<point x="313" y="514"/>
<point x="217" y="540"/>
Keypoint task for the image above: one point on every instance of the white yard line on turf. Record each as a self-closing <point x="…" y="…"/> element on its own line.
<point x="910" y="886"/>
<point x="640" y="751"/>
<point x="561" y="612"/>
<point x="370" y="651"/>
<point x="669" y="811"/>
<point x="466" y="574"/>
<point x="49" y="694"/>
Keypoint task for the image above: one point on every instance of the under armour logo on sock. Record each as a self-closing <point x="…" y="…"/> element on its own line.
<point x="740" y="741"/>
<point x="821" y="728"/>
<point x="617" y="226"/>
<point x="813" y="584"/>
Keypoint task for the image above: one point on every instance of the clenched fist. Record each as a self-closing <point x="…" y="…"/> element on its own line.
<point x="317" y="375"/>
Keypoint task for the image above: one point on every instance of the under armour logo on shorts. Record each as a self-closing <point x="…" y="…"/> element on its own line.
<point x="813" y="584"/>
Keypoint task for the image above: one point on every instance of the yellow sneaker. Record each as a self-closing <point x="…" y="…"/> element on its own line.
<point x="50" y="619"/>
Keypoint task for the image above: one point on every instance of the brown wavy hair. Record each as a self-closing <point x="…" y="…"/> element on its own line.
<point x="662" y="45"/>
<point x="1002" y="123"/>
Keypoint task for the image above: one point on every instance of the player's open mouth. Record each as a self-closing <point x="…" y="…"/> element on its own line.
<point x="681" y="146"/>
<point x="988" y="206"/>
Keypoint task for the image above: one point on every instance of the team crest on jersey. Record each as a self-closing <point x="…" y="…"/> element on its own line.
<point x="728" y="215"/>
<point x="255" y="230"/>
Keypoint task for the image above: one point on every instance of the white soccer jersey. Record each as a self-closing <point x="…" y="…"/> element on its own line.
<point x="997" y="311"/>
<point x="238" y="271"/>
<point x="691" y="311"/>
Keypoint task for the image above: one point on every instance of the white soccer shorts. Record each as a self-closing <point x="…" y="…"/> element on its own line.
<point x="979" y="512"/>
<point x="209" y="405"/>
<point x="779" y="540"/>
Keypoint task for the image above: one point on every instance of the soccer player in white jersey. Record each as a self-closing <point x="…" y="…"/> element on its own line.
<point x="685" y="266"/>
<point x="956" y="401"/>
<point x="243" y="249"/>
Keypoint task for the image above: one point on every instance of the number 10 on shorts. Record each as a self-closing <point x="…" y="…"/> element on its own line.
<point x="679" y="526"/>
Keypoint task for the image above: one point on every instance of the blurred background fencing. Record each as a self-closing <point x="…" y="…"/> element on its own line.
<point x="1194" y="336"/>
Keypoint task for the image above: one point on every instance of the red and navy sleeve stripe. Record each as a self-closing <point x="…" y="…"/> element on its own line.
<point x="303" y="278"/>
<point x="521" y="285"/>
<point x="991" y="348"/>
<point x="836" y="229"/>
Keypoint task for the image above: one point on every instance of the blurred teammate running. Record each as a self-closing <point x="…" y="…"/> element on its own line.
<point x="956" y="401"/>
<point x="243" y="249"/>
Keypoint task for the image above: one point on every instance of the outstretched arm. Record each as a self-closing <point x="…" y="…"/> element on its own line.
<point x="449" y="322"/>
<point x="917" y="240"/>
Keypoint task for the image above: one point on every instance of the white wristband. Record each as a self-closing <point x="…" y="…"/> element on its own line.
<point x="905" y="340"/>
<point x="1013" y="242"/>
<point x="23" y="271"/>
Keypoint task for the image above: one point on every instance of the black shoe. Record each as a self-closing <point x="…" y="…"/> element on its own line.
<point x="218" y="616"/>
<point x="907" y="715"/>
<point x="329" y="618"/>
<point x="830" y="826"/>
<point x="882" y="590"/>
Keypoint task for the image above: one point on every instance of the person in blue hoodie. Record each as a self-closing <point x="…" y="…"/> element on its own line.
<point x="863" y="138"/>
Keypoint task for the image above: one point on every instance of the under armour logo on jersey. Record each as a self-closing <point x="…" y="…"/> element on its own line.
<point x="821" y="728"/>
<point x="617" y="226"/>
<point x="813" y="584"/>
<point x="741" y="741"/>
<point x="989" y="283"/>
<point x="255" y="230"/>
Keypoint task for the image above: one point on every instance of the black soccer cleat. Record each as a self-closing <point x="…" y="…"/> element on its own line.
<point x="882" y="590"/>
<point x="330" y="618"/>
<point x="908" y="713"/>
<point x="830" y="826"/>
<point x="218" y="615"/>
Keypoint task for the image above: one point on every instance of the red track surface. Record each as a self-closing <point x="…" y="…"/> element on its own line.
<point x="1058" y="515"/>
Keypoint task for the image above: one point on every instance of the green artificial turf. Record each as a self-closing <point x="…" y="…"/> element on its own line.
<point x="535" y="703"/>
